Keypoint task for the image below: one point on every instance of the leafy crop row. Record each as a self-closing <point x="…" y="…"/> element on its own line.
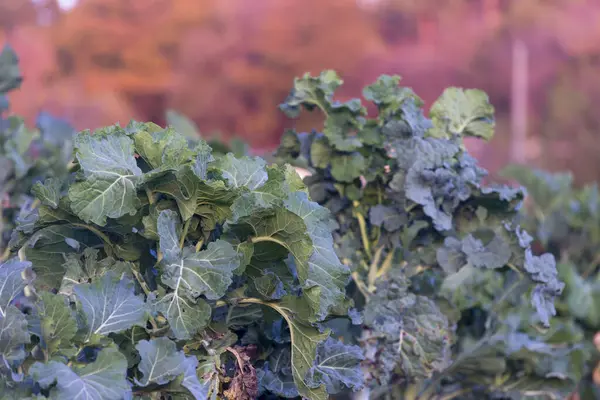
<point x="566" y="221"/>
<point x="153" y="267"/>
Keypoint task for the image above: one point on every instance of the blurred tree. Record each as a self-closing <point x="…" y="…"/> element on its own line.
<point x="125" y="46"/>
<point x="235" y="85"/>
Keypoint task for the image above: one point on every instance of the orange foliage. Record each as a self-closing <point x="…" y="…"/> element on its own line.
<point x="232" y="75"/>
<point x="124" y="46"/>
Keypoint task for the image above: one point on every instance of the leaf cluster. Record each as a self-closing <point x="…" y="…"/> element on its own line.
<point x="162" y="270"/>
<point x="566" y="220"/>
<point x="27" y="155"/>
<point x="437" y="258"/>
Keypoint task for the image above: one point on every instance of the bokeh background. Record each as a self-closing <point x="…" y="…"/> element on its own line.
<point x="227" y="64"/>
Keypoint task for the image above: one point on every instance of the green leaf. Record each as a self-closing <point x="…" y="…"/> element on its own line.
<point x="86" y="268"/>
<point x="103" y="379"/>
<point x="276" y="377"/>
<point x="162" y="149"/>
<point x="269" y="195"/>
<point x="48" y="248"/>
<point x="57" y="322"/>
<point x="15" y="275"/>
<point x="13" y="334"/>
<point x="320" y="152"/>
<point x="190" y="192"/>
<point x="410" y="334"/>
<point x="198" y="388"/>
<point x="191" y="274"/>
<point x="182" y="124"/>
<point x="462" y="112"/>
<point x="305" y="340"/>
<point x="206" y="272"/>
<point x="248" y="172"/>
<point x="323" y="269"/>
<point x="337" y="366"/>
<point x="48" y="192"/>
<point x="110" y="305"/>
<point x="347" y="167"/>
<point x="160" y="361"/>
<point x="111" y="178"/>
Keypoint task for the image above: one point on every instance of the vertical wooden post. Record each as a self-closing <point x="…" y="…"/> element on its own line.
<point x="519" y="102"/>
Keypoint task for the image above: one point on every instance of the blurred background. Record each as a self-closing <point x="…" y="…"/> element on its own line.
<point x="227" y="64"/>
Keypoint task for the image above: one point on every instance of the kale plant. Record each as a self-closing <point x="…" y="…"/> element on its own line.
<point x="158" y="270"/>
<point x="566" y="220"/>
<point x="420" y="234"/>
<point x="26" y="155"/>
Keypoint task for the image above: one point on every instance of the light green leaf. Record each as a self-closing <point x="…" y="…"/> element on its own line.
<point x="199" y="389"/>
<point x="186" y="316"/>
<point x="58" y="325"/>
<point x="14" y="277"/>
<point x="347" y="167"/>
<point x="110" y="305"/>
<point x="111" y="178"/>
<point x="246" y="171"/>
<point x="337" y="365"/>
<point x="103" y="379"/>
<point x="265" y="197"/>
<point x="323" y="269"/>
<point x="160" y="361"/>
<point x="190" y="192"/>
<point x="162" y="149"/>
<point x="48" y="248"/>
<point x="169" y="231"/>
<point x="191" y="274"/>
<point x="48" y="192"/>
<point x="462" y="112"/>
<point x="320" y="152"/>
<point x="85" y="268"/>
<point x="13" y="334"/>
<point x="305" y="340"/>
<point x="182" y="124"/>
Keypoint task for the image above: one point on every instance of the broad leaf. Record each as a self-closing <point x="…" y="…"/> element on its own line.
<point x="111" y="178"/>
<point x="103" y="379"/>
<point x="57" y="322"/>
<point x="462" y="112"/>
<point x="160" y="361"/>
<point x="248" y="172"/>
<point x="338" y="366"/>
<point x="110" y="305"/>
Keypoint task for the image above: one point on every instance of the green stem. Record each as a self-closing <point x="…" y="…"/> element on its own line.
<point x="199" y="245"/>
<point x="141" y="281"/>
<point x="387" y="264"/>
<point x="360" y="285"/>
<point x="150" y="196"/>
<point x="258" y="239"/>
<point x="374" y="267"/>
<point x="186" y="228"/>
<point x="363" y="231"/>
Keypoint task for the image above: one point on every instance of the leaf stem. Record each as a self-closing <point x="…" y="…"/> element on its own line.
<point x="186" y="228"/>
<point x="387" y="264"/>
<point x="150" y="196"/>
<point x="237" y="356"/>
<point x="363" y="230"/>
<point x="360" y="285"/>
<point x="374" y="267"/>
<point x="199" y="245"/>
<point x="141" y="281"/>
